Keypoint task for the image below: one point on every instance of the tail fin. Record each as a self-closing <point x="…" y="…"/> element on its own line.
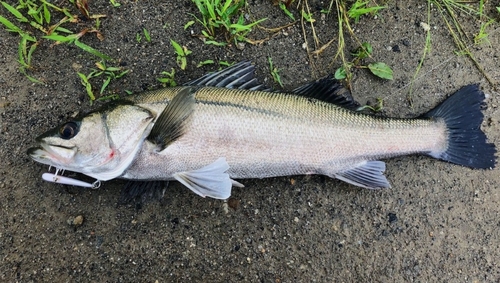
<point x="467" y="144"/>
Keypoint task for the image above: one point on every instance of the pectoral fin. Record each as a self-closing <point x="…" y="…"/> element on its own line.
<point x="369" y="174"/>
<point x="172" y="122"/>
<point x="211" y="180"/>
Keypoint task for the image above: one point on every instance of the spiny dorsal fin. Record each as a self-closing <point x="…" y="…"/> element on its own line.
<point x="242" y="76"/>
<point x="329" y="90"/>
<point x="171" y="123"/>
<point x="238" y="76"/>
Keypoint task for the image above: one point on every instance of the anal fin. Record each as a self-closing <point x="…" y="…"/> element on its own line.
<point x="369" y="174"/>
<point x="211" y="180"/>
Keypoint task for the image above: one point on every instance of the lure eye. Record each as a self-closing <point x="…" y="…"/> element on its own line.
<point x="68" y="130"/>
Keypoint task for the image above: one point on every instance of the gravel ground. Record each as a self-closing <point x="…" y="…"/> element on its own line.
<point x="438" y="223"/>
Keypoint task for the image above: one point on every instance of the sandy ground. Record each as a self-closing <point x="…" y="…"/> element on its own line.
<point x="438" y="223"/>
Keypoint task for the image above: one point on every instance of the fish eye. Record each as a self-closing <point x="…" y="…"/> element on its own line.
<point x="68" y="130"/>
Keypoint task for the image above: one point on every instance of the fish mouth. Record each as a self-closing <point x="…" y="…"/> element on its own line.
<point x="53" y="155"/>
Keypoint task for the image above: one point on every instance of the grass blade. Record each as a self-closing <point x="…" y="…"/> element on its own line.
<point x="10" y="26"/>
<point x="91" y="50"/>
<point x="15" y="12"/>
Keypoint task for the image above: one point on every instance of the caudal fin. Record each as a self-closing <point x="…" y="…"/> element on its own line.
<point x="467" y="144"/>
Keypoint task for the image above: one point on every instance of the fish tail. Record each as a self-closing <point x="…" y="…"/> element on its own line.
<point x="467" y="143"/>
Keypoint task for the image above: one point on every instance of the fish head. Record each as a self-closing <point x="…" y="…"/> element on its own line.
<point x="101" y="144"/>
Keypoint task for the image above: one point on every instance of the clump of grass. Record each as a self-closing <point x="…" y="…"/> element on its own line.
<point x="167" y="78"/>
<point x="147" y="36"/>
<point x="108" y="73"/>
<point x="39" y="14"/>
<point x="182" y="53"/>
<point x="226" y="16"/>
<point x="379" y="69"/>
<point x="344" y="17"/>
<point x="275" y="72"/>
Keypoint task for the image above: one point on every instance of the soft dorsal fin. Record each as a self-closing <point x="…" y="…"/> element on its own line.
<point x="238" y="76"/>
<point x="329" y="90"/>
<point x="171" y="123"/>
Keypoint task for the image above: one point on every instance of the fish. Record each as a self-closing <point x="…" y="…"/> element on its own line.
<point x="226" y="126"/>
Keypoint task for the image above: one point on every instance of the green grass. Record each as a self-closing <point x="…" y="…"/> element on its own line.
<point x="182" y="53"/>
<point x="345" y="16"/>
<point x="225" y="17"/>
<point x="39" y="15"/>
<point x="167" y="78"/>
<point x="379" y="69"/>
<point x="275" y="72"/>
<point x="105" y="72"/>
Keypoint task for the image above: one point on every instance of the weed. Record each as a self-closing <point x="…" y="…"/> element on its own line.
<point x="284" y="8"/>
<point x="307" y="16"/>
<point x="206" y="62"/>
<point x="168" y="79"/>
<point x="274" y="72"/>
<point x="145" y="32"/>
<point x="379" y="69"/>
<point x="377" y="108"/>
<point x="188" y="24"/>
<point x="482" y="36"/>
<point x="182" y="52"/>
<point x="39" y="14"/>
<point x="147" y="36"/>
<point x="360" y="8"/>
<point x="344" y="18"/>
<point x="114" y="3"/>
<point x="109" y="73"/>
<point x="226" y="16"/>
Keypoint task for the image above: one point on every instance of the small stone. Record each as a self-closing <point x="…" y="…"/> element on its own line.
<point x="76" y="66"/>
<point x="4" y="104"/>
<point x="392" y="217"/>
<point x="78" y="220"/>
<point x="396" y="48"/>
<point x="240" y="45"/>
<point x="425" y="26"/>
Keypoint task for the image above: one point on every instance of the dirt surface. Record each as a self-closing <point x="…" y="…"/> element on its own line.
<point x="438" y="223"/>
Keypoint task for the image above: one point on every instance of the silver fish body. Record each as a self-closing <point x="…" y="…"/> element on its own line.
<point x="264" y="134"/>
<point x="204" y="135"/>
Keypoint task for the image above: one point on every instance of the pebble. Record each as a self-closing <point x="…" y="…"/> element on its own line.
<point x="392" y="217"/>
<point x="75" y="221"/>
<point x="425" y="26"/>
